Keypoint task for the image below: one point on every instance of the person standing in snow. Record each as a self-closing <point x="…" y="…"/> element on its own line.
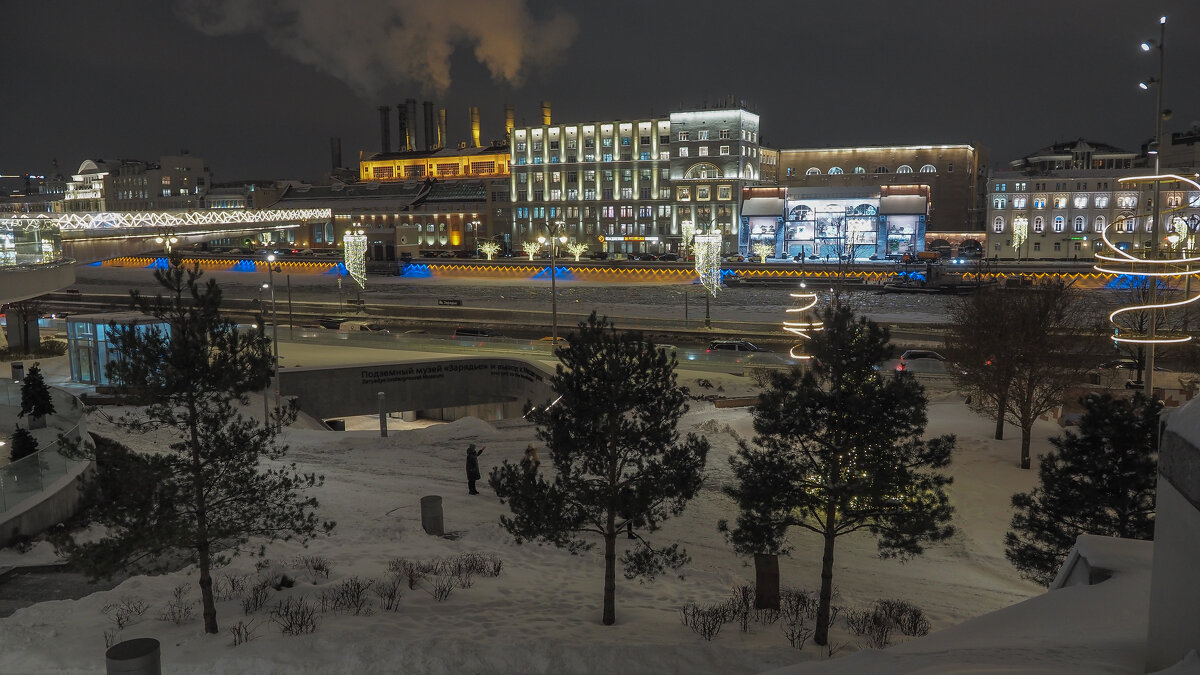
<point x="473" y="467"/>
<point x="530" y="461"/>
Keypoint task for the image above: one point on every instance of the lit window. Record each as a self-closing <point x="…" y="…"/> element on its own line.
<point x="1060" y="202"/>
<point x="812" y="171"/>
<point x="998" y="225"/>
<point x="999" y="203"/>
<point x="664" y="154"/>
<point x="859" y="169"/>
<point x="724" y="192"/>
<point x="683" y="152"/>
<point x="606" y="141"/>
<point x="835" y="171"/>
<point x="683" y="193"/>
<point x="1039" y="202"/>
<point x="683" y="136"/>
<point x="702" y="135"/>
<point x="1039" y="225"/>
<point x="1080" y="224"/>
<point x="929" y="168"/>
<point x="904" y="168"/>
<point x="1099" y="224"/>
<point x="724" y="150"/>
<point x="1059" y="223"/>
<point x="1019" y="202"/>
<point x="702" y="193"/>
<point x="702" y="151"/>
<point x="1081" y="201"/>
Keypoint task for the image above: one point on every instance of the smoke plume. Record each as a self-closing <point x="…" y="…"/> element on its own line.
<point x="370" y="44"/>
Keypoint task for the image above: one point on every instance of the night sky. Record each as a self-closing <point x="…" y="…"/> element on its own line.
<point x="258" y="87"/>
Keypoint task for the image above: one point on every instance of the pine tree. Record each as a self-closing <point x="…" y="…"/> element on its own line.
<point x="23" y="444"/>
<point x="218" y="488"/>
<point x="1099" y="481"/>
<point x="35" y="397"/>
<point x="619" y="466"/>
<point x="838" y="449"/>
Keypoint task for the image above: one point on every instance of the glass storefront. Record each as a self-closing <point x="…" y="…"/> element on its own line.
<point x="88" y="347"/>
<point x="29" y="241"/>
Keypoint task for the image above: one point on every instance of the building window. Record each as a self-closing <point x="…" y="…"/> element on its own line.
<point x="1037" y="245"/>
<point x="606" y="211"/>
<point x="1081" y="201"/>
<point x="859" y="169"/>
<point x="724" y="192"/>
<point x="881" y="169"/>
<point x="683" y="136"/>
<point x="683" y="193"/>
<point x="904" y="168"/>
<point x="702" y="135"/>
<point x="812" y="171"/>
<point x="683" y="152"/>
<point x="1057" y="246"/>
<point x="950" y="167"/>
<point x="998" y="225"/>
<point x="1059" y="223"/>
<point x="1080" y="224"/>
<point x="606" y="141"/>
<point x="1078" y="245"/>
<point x="928" y="168"/>
<point x="1060" y="202"/>
<point x="999" y="203"/>
<point x="626" y="193"/>
<point x="1101" y="201"/>
<point x="835" y="171"/>
<point x="608" y="156"/>
<point x="1099" y="224"/>
<point x="702" y="151"/>
<point x="702" y="193"/>
<point x="1039" y="225"/>
<point x="1039" y="202"/>
<point x="1019" y="202"/>
<point x="606" y="193"/>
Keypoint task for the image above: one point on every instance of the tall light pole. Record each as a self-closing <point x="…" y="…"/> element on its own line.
<point x="271" y="270"/>
<point x="475" y="230"/>
<point x="1156" y="213"/>
<point x="556" y="237"/>
<point x="166" y="239"/>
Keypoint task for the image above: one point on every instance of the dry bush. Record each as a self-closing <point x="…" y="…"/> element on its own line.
<point x="256" y="597"/>
<point x="705" y="621"/>
<point x="126" y="611"/>
<point x="295" y="616"/>
<point x="388" y="590"/>
<point x="179" y="609"/>
<point x="243" y="632"/>
<point x="318" y="567"/>
<point x="349" y="596"/>
<point x="741" y="606"/>
<point x="230" y="586"/>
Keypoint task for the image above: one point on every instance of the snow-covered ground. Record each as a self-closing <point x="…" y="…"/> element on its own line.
<point x="542" y="614"/>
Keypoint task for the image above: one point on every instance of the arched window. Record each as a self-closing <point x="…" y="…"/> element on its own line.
<point x="1080" y="201"/>
<point x="835" y="171"/>
<point x="1080" y="224"/>
<point x="1039" y="202"/>
<point x="881" y="169"/>
<point x="998" y="225"/>
<point x="1059" y="223"/>
<point x="702" y="170"/>
<point x="929" y="168"/>
<point x="812" y="171"/>
<point x="1101" y="201"/>
<point x="904" y="168"/>
<point x="800" y="212"/>
<point x="859" y="169"/>
<point x="1039" y="225"/>
<point x="1099" y="224"/>
<point x="999" y="203"/>
<point x="1060" y="202"/>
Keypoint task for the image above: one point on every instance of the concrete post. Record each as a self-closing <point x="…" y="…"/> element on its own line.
<point x="431" y="515"/>
<point x="140" y="656"/>
<point x="382" y="414"/>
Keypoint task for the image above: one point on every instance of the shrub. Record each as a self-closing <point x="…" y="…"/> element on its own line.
<point x="388" y="590"/>
<point x="704" y="621"/>
<point x="243" y="632"/>
<point x="741" y="605"/>
<point x="230" y="586"/>
<point x="295" y="616"/>
<point x="256" y="597"/>
<point x="350" y="596"/>
<point x="316" y="566"/>
<point x="179" y="609"/>
<point x="23" y="444"/>
<point x="126" y="611"/>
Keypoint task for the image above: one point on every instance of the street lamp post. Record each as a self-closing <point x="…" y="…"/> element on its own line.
<point x="556" y="237"/>
<point x="1156" y="212"/>
<point x="167" y="239"/>
<point x="475" y="231"/>
<point x="271" y="270"/>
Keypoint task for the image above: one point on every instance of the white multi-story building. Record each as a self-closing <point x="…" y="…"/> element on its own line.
<point x="1056" y="203"/>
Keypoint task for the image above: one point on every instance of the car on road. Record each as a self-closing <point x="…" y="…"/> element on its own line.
<point x="348" y="327"/>
<point x="1126" y="364"/>
<point x="921" y="360"/>
<point x="733" y="346"/>
<point x="669" y="257"/>
<point x="473" y="333"/>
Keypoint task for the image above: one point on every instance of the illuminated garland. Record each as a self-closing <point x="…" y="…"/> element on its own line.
<point x="687" y="230"/>
<point x="802" y="328"/>
<point x="1020" y="231"/>
<point x="356" y="257"/>
<point x="708" y="261"/>
<point x="159" y="219"/>
<point x="1151" y="269"/>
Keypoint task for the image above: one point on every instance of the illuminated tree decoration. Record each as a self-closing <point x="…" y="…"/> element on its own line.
<point x="687" y="230"/>
<point x="807" y="323"/>
<point x="356" y="256"/>
<point x="531" y="248"/>
<point x="489" y="248"/>
<point x="1020" y="231"/>
<point x="708" y="261"/>
<point x="1112" y="260"/>
<point x="577" y="248"/>
<point x="762" y="250"/>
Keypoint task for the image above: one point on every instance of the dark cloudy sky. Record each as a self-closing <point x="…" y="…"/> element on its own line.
<point x="257" y="87"/>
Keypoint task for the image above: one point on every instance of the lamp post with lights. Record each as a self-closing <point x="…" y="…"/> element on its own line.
<point x="1160" y="114"/>
<point x="552" y="241"/>
<point x="272" y="268"/>
<point x="167" y="240"/>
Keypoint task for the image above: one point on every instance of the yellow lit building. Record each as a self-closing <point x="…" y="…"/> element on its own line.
<point x="443" y="164"/>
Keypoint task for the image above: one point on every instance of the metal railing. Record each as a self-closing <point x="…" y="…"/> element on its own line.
<point x="30" y="475"/>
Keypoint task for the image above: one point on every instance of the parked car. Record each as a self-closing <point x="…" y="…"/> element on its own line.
<point x="669" y="257"/>
<point x="471" y="333"/>
<point x="360" y="327"/>
<point x="1125" y="364"/>
<point x="921" y="360"/>
<point x="733" y="346"/>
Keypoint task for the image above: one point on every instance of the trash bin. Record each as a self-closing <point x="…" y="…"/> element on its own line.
<point x="139" y="656"/>
<point x="18" y="371"/>
<point x="431" y="515"/>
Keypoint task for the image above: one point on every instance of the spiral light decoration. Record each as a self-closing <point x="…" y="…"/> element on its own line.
<point x="708" y="261"/>
<point x="1112" y="260"/>
<point x="802" y="328"/>
<point x="356" y="257"/>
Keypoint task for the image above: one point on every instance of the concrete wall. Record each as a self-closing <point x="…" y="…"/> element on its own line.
<point x="490" y="388"/>
<point x="1174" y="592"/>
<point x="21" y="283"/>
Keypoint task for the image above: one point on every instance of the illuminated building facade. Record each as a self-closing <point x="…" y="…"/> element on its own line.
<point x="1055" y="203"/>
<point x="442" y="164"/>
<point x="175" y="182"/>
<point x="716" y="153"/>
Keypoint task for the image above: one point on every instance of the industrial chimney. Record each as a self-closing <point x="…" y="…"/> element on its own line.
<point x="429" y="130"/>
<point x="508" y="121"/>
<point x="474" y="126"/>
<point x="403" y="136"/>
<point x="335" y="152"/>
<point x="441" y="129"/>
<point x="546" y="113"/>
<point x="385" y="128"/>
<point x="410" y="104"/>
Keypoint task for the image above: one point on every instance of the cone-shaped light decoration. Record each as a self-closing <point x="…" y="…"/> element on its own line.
<point x="708" y="261"/>
<point x="356" y="257"/>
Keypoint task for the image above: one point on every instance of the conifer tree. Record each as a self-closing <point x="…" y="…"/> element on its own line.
<point x="219" y="488"/>
<point x="35" y="397"/>
<point x="838" y="448"/>
<point x="619" y="466"/>
<point x="23" y="443"/>
<point x="1098" y="481"/>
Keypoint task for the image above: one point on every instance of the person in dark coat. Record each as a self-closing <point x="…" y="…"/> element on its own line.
<point x="473" y="467"/>
<point x="530" y="461"/>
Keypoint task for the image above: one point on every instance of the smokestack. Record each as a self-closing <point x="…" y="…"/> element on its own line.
<point x="508" y="120"/>
<point x="428" y="106"/>
<point x="441" y="130"/>
<point x="474" y="126"/>
<point x="410" y="104"/>
<point x="335" y="153"/>
<point x="403" y="137"/>
<point x="546" y="113"/>
<point x="385" y="128"/>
